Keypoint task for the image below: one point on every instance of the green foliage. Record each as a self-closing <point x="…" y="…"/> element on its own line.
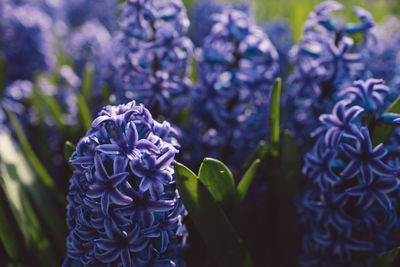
<point x="218" y="179"/>
<point x="221" y="239"/>
<point x="84" y="113"/>
<point x="382" y="132"/>
<point x="20" y="185"/>
<point x="388" y="259"/>
<point x="274" y="119"/>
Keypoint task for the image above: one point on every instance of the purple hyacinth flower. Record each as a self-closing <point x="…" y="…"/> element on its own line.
<point x="123" y="206"/>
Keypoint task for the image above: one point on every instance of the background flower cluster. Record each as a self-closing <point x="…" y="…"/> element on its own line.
<point x="99" y="101"/>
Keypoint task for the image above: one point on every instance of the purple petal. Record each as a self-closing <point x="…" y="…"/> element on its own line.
<point x="120" y="199"/>
<point x="109" y="149"/>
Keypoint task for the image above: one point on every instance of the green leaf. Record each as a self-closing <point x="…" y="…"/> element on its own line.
<point x="274" y="119"/>
<point x="49" y="105"/>
<point x="17" y="180"/>
<point x="87" y="83"/>
<point x="387" y="259"/>
<point x="36" y="164"/>
<point x="244" y="184"/>
<point x="69" y="149"/>
<point x="38" y="167"/>
<point x="84" y="113"/>
<point x="218" y="179"/>
<point x="382" y="132"/>
<point x="221" y="239"/>
<point x="8" y="231"/>
<point x="258" y="153"/>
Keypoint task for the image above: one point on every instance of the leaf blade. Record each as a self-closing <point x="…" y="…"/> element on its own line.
<point x="218" y="179"/>
<point x="218" y="233"/>
<point x="382" y="132"/>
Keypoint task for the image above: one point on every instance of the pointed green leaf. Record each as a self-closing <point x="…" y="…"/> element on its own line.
<point x="244" y="184"/>
<point x="69" y="149"/>
<point x="38" y="167"/>
<point x="49" y="105"/>
<point x="221" y="239"/>
<point x="84" y="113"/>
<point x="258" y="153"/>
<point x="218" y="179"/>
<point x="36" y="164"/>
<point x="8" y="231"/>
<point x="382" y="132"/>
<point x="17" y="181"/>
<point x="387" y="259"/>
<point x="87" y="83"/>
<point x="274" y="119"/>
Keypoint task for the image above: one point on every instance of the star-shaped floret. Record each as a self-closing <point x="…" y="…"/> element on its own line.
<point x="119" y="244"/>
<point x="378" y="191"/>
<point x="105" y="187"/>
<point x="340" y="122"/>
<point x="365" y="159"/>
<point x="318" y="166"/>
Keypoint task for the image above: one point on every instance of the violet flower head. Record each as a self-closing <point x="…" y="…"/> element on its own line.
<point x="327" y="60"/>
<point x="237" y="67"/>
<point x="202" y="19"/>
<point x="91" y="44"/>
<point x="123" y="206"/>
<point x="152" y="55"/>
<point x="352" y="194"/>
<point x="26" y="41"/>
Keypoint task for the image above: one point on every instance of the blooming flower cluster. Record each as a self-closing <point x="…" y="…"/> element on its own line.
<point x="152" y="55"/>
<point x="352" y="193"/>
<point x="327" y="60"/>
<point x="26" y="40"/>
<point x="91" y="44"/>
<point x="123" y="206"/>
<point x="237" y="65"/>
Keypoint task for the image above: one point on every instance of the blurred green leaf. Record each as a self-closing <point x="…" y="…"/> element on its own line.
<point x="87" y="83"/>
<point x="382" y="132"/>
<point x="36" y="164"/>
<point x="8" y="231"/>
<point x="69" y="149"/>
<point x="49" y="105"/>
<point x="218" y="179"/>
<point x="106" y="93"/>
<point x="387" y="260"/>
<point x="84" y="113"/>
<point x="16" y="180"/>
<point x="221" y="239"/>
<point x="258" y="153"/>
<point x="41" y="171"/>
<point x="273" y="146"/>
<point x="244" y="184"/>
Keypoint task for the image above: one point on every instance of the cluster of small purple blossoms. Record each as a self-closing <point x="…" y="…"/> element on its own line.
<point x="327" y="60"/>
<point x="153" y="55"/>
<point x="26" y="41"/>
<point x="348" y="206"/>
<point x="123" y="206"/>
<point x="237" y="65"/>
<point x="91" y="43"/>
